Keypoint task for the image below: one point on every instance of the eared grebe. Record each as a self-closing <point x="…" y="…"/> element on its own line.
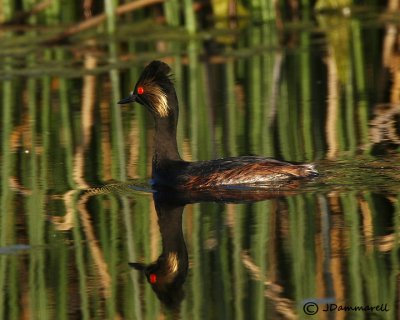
<point x="155" y="90"/>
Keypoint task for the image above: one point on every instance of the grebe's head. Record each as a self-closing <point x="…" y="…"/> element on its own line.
<point x="154" y="89"/>
<point x="166" y="278"/>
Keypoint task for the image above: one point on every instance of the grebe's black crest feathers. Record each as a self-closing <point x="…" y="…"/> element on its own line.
<point x="157" y="72"/>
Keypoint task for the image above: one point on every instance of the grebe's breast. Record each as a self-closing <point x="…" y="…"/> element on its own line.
<point x="248" y="170"/>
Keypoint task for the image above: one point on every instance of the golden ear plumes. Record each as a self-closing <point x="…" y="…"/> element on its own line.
<point x="156" y="98"/>
<point x="172" y="262"/>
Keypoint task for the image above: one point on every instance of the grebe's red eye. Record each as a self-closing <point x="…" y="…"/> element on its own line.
<point x="140" y="90"/>
<point x="153" y="278"/>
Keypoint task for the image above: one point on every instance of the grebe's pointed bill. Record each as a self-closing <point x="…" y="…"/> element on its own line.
<point x="137" y="265"/>
<point x="132" y="98"/>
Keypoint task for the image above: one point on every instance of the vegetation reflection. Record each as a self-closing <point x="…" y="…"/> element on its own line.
<point x="278" y="81"/>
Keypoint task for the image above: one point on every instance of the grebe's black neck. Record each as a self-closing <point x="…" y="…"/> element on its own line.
<point x="165" y="143"/>
<point x="170" y="223"/>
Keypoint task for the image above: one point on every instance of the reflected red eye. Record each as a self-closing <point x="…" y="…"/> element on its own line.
<point x="153" y="278"/>
<point x="140" y="90"/>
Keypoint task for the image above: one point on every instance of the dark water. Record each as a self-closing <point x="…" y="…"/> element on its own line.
<point x="77" y="207"/>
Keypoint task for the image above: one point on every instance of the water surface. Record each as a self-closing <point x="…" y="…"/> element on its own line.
<point x="77" y="207"/>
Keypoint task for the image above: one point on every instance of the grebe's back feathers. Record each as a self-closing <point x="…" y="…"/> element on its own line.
<point x="242" y="170"/>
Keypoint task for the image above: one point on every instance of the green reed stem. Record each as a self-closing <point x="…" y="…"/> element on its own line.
<point x="238" y="270"/>
<point x="230" y="109"/>
<point x="204" y="116"/>
<point x="225" y="265"/>
<point x="6" y="198"/>
<point x="259" y="254"/>
<point x="178" y="78"/>
<point x="53" y="13"/>
<point x="359" y="64"/>
<point x="271" y="70"/>
<point x="297" y="238"/>
<point x="393" y="278"/>
<point x="171" y="10"/>
<point x="112" y="253"/>
<point x="80" y="263"/>
<point x="13" y="292"/>
<point x="132" y="297"/>
<point x="8" y="265"/>
<point x="254" y="89"/>
<point x="38" y="291"/>
<point x="190" y="18"/>
<point x="119" y="164"/>
<point x="193" y="97"/>
<point x="306" y="97"/>
<point x="117" y="128"/>
<point x="373" y="283"/>
<point x="284" y="123"/>
<point x="66" y="123"/>
<point x="8" y="8"/>
<point x="350" y="209"/>
<point x="197" y="283"/>
<point x="62" y="281"/>
<point x="267" y="11"/>
<point x="45" y="126"/>
<point x="350" y="119"/>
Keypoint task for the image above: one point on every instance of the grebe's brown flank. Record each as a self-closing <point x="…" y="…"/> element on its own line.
<point x="155" y="90"/>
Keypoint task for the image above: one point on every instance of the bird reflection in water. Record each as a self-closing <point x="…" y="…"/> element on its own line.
<point x="168" y="273"/>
